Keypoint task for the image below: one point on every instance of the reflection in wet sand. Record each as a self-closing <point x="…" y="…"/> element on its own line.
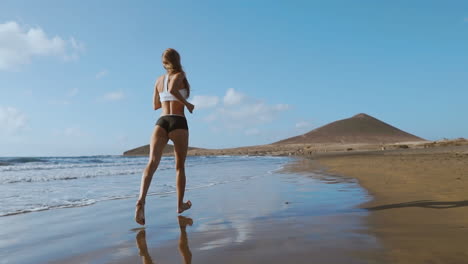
<point x="183" y="242"/>
<point x="143" y="248"/>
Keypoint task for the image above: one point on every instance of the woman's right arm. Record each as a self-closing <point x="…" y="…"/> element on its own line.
<point x="156" y="100"/>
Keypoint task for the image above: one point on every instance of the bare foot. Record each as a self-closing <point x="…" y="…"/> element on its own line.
<point x="185" y="206"/>
<point x="140" y="213"/>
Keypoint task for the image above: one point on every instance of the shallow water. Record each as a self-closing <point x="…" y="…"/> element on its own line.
<point x="245" y="210"/>
<point x="43" y="183"/>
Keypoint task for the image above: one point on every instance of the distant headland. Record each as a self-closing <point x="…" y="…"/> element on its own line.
<point x="360" y="132"/>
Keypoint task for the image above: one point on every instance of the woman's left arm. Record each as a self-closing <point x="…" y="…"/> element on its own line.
<point x="179" y="77"/>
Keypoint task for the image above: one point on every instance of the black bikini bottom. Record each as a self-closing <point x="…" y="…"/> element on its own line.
<point x="172" y="122"/>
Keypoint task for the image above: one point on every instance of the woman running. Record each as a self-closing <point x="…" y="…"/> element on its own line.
<point x="170" y="93"/>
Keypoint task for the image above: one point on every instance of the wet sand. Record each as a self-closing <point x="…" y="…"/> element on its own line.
<point x="293" y="216"/>
<point x="420" y="210"/>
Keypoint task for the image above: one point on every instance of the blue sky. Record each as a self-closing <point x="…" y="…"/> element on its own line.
<point x="76" y="77"/>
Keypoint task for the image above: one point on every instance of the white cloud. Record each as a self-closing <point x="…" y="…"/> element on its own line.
<point x="241" y="112"/>
<point x="72" y="92"/>
<point x="18" y="45"/>
<point x="232" y="97"/>
<point x="281" y="107"/>
<point x="101" y="74"/>
<point x="302" y="124"/>
<point x="205" y="101"/>
<point x="11" y="120"/>
<point x="251" y="113"/>
<point x="65" y="101"/>
<point x="73" y="131"/>
<point x="77" y="45"/>
<point x="122" y="139"/>
<point x="77" y="48"/>
<point x="59" y="102"/>
<point x="211" y="117"/>
<point x="114" y="96"/>
<point x="28" y="92"/>
<point x="252" y="132"/>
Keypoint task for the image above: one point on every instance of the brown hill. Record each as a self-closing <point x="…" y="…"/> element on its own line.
<point x="360" y="128"/>
<point x="144" y="150"/>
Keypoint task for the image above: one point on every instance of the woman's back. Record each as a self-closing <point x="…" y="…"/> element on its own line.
<point x="169" y="103"/>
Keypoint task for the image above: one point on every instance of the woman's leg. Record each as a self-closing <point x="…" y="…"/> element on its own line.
<point x="180" y="139"/>
<point x="158" y="142"/>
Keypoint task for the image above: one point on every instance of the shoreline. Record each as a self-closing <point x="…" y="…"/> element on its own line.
<point x="419" y="206"/>
<point x="309" y="149"/>
<point x="306" y="216"/>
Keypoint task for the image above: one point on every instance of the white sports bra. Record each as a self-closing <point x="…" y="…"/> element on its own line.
<point x="165" y="95"/>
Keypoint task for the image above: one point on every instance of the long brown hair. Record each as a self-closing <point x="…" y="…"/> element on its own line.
<point x="171" y="62"/>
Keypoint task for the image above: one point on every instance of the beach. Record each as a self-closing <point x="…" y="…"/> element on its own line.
<point x="419" y="210"/>
<point x="369" y="206"/>
<point x="256" y="210"/>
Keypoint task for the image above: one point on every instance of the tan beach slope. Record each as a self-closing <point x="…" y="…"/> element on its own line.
<point x="420" y="206"/>
<point x="360" y="128"/>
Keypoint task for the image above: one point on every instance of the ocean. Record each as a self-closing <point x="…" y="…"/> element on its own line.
<point x="29" y="184"/>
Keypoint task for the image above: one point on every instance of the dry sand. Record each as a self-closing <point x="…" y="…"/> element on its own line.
<point x="420" y="210"/>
